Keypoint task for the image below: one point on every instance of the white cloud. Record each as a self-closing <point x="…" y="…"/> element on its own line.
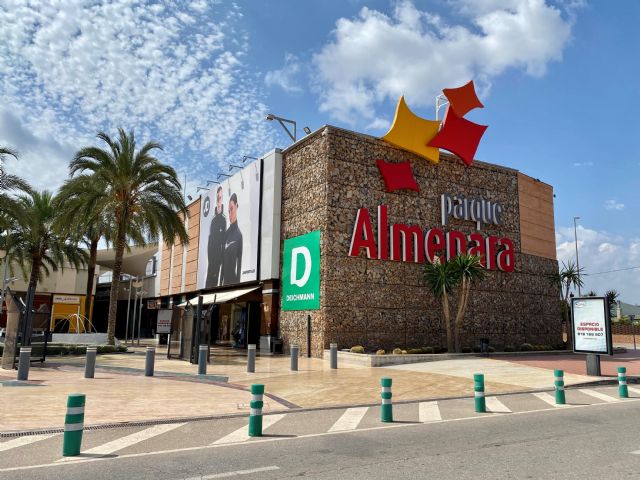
<point x="582" y="164"/>
<point x="603" y="252"/>
<point x="613" y="205"/>
<point x="375" y="57"/>
<point x="285" y="77"/>
<point x="171" y="71"/>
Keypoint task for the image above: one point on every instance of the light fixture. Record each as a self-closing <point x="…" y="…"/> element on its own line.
<point x="307" y="130"/>
<point x="223" y="175"/>
<point x="244" y="158"/>
<point x="441" y="101"/>
<point x="282" y="121"/>
<point x="201" y="188"/>
<point x="189" y="197"/>
<point x="212" y="181"/>
<point x="231" y="167"/>
<point x="575" y="236"/>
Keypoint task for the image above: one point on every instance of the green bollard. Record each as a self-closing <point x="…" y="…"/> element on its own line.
<point x="559" y="384"/>
<point x="386" y="409"/>
<point x="255" y="415"/>
<point x="73" y="425"/>
<point x="478" y="387"/>
<point x="623" y="391"/>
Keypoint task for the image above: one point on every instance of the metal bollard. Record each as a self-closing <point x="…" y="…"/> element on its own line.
<point x="23" y="363"/>
<point x="73" y="425"/>
<point x="386" y="409"/>
<point x="478" y="387"/>
<point x="295" y="349"/>
<point x="623" y="391"/>
<point x="149" y="361"/>
<point x="251" y="358"/>
<point x="333" y="348"/>
<point x="202" y="359"/>
<point x="559" y="384"/>
<point x="255" y="414"/>
<point x="90" y="362"/>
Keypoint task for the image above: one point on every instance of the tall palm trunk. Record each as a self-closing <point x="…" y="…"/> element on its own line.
<point x="91" y="270"/>
<point x="447" y="322"/>
<point x="115" y="287"/>
<point x="463" y="300"/>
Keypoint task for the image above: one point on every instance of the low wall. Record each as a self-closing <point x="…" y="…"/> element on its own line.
<point x="80" y="338"/>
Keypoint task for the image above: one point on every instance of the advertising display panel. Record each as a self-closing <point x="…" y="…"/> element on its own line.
<point x="591" y="325"/>
<point x="229" y="230"/>
<point x="301" y="272"/>
<point x="164" y="321"/>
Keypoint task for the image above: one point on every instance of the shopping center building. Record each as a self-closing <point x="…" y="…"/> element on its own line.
<point x="263" y="273"/>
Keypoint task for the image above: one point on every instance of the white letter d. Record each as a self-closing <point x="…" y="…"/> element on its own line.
<point x="304" y="251"/>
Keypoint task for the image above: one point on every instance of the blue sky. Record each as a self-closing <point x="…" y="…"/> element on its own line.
<point x="558" y="79"/>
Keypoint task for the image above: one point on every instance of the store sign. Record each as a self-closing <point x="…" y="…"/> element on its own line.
<point x="301" y="272"/>
<point x="67" y="299"/>
<point x="415" y="243"/>
<point x="591" y="325"/>
<point x="163" y="324"/>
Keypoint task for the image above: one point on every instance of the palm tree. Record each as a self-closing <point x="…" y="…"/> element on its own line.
<point x="79" y="198"/>
<point x="142" y="194"/>
<point x="612" y="298"/>
<point x="38" y="243"/>
<point x="442" y="279"/>
<point x="9" y="183"/>
<point x="468" y="269"/>
<point x="567" y="277"/>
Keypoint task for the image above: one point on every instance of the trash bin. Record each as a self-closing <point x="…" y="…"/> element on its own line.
<point x="484" y="345"/>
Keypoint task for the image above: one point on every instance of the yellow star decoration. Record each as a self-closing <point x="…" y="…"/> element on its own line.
<point x="412" y="133"/>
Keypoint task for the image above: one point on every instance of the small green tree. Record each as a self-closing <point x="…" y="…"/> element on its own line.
<point x="612" y="300"/>
<point x="442" y="279"/>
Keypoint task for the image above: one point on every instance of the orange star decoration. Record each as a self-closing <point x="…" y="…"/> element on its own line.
<point x="463" y="99"/>
<point x="413" y="133"/>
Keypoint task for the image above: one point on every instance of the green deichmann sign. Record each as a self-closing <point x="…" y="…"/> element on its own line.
<point x="301" y="272"/>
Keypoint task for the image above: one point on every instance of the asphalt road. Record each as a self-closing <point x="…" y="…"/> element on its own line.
<point x="591" y="441"/>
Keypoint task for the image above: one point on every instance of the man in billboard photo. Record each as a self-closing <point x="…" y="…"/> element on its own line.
<point x="215" y="248"/>
<point x="232" y="259"/>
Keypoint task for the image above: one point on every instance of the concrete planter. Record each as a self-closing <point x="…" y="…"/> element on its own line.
<point x="371" y="360"/>
<point x="79" y="338"/>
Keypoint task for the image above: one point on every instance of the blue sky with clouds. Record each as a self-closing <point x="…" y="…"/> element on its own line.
<point x="559" y="81"/>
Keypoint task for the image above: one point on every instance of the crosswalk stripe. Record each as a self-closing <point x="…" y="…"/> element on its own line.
<point x="496" y="406"/>
<point x="601" y="396"/>
<point x="126" y="441"/>
<point x="634" y="390"/>
<point x="545" y="397"/>
<point x="349" y="420"/>
<point x="22" y="441"/>
<point x="429" y="412"/>
<point x="242" y="434"/>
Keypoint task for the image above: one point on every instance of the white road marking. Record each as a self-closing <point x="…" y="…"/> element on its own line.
<point x="349" y="420"/>
<point x="601" y="396"/>
<point x="429" y="412"/>
<point x="127" y="441"/>
<point x="242" y="434"/>
<point x="285" y="439"/>
<point x="633" y="390"/>
<point x="22" y="441"/>
<point x="236" y="473"/>
<point x="545" y="397"/>
<point x="496" y="406"/>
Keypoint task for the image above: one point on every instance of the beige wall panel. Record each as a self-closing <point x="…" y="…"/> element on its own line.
<point x="537" y="224"/>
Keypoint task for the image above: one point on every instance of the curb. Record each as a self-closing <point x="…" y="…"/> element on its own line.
<point x="296" y="409"/>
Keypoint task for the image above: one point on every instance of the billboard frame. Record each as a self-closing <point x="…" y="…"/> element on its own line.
<point x="605" y="320"/>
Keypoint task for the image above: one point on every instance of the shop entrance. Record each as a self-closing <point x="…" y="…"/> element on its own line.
<point x="235" y="324"/>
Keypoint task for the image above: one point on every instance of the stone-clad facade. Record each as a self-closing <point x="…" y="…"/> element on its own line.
<point x="332" y="173"/>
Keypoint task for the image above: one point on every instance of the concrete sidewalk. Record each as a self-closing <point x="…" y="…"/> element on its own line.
<point x="120" y="392"/>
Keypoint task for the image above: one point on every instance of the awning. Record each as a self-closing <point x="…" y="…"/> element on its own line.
<point x="220" y="297"/>
<point x="134" y="261"/>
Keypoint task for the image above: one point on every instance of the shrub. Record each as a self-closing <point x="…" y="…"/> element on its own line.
<point x="491" y="349"/>
<point x="427" y="349"/>
<point x="357" y="349"/>
<point x="526" y="347"/>
<point x="380" y="352"/>
<point x="509" y="348"/>
<point x="414" y="351"/>
<point x="404" y="352"/>
<point x="466" y="349"/>
<point x="476" y="349"/>
<point x="397" y="351"/>
<point x="440" y="350"/>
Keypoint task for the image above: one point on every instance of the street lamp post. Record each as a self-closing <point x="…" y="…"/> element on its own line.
<point x="575" y="236"/>
<point x="282" y="122"/>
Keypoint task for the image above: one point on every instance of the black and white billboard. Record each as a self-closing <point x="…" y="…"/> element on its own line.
<point x="229" y="230"/>
<point x="591" y="325"/>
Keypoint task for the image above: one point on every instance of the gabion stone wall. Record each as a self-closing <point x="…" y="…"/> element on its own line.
<point x="383" y="303"/>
